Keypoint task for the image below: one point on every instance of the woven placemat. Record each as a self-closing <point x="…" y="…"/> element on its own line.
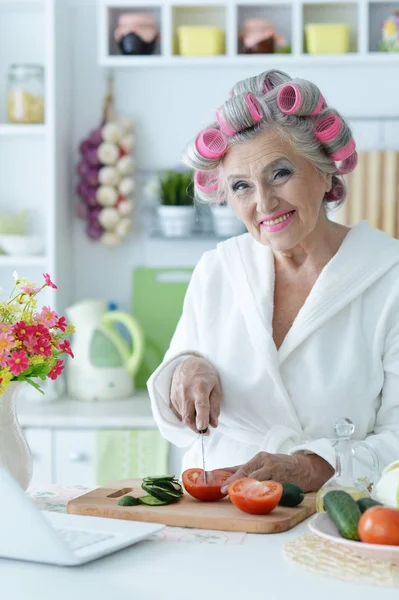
<point x="326" y="558"/>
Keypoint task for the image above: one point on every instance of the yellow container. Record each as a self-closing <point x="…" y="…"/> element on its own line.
<point x="200" y="40"/>
<point x="327" y="38"/>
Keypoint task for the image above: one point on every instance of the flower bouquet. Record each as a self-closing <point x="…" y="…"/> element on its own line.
<point x="32" y="340"/>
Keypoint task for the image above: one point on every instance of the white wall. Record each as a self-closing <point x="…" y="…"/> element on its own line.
<point x="169" y="106"/>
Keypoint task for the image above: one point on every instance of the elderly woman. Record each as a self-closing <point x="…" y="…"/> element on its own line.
<point x="294" y="324"/>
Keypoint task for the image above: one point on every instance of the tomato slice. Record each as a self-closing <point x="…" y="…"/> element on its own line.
<point x="379" y="525"/>
<point x="193" y="481"/>
<point x="255" y="497"/>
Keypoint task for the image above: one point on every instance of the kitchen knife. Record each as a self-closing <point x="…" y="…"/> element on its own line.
<point x="202" y="433"/>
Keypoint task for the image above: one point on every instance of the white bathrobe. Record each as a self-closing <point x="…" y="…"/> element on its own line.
<point x="339" y="359"/>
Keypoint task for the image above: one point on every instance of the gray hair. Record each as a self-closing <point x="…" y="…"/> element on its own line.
<point x="297" y="129"/>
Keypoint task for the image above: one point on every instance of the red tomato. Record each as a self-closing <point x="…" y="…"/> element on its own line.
<point x="253" y="496"/>
<point x="193" y="481"/>
<point x="379" y="525"/>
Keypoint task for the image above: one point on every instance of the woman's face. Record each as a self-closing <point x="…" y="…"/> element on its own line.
<point x="276" y="192"/>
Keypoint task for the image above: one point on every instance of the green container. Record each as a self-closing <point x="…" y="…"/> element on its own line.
<point x="158" y="296"/>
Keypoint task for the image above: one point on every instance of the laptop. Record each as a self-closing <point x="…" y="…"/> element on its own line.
<point x="30" y="534"/>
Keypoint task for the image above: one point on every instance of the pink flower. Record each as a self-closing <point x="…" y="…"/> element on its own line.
<point x="47" y="317"/>
<point x="29" y="290"/>
<point x="38" y="330"/>
<point x="18" y="362"/>
<point x="4" y="327"/>
<point x="65" y="346"/>
<point x="43" y="347"/>
<point x="6" y="342"/>
<point x="48" y="281"/>
<point x="62" y="324"/>
<point x="29" y="343"/>
<point x="20" y="330"/>
<point x="3" y="359"/>
<point x="56" y="370"/>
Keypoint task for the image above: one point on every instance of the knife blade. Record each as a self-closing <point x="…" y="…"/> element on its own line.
<point x="202" y="433"/>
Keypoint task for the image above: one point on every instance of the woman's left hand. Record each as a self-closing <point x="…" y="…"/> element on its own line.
<point x="309" y="471"/>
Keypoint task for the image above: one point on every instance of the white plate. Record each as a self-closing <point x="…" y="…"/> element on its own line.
<point x="323" y="526"/>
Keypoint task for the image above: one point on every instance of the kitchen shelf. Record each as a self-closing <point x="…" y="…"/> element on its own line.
<point x="8" y="260"/>
<point x="288" y="18"/>
<point x="273" y="61"/>
<point x="22" y="130"/>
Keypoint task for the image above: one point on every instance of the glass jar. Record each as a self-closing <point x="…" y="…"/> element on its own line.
<point x="25" y="99"/>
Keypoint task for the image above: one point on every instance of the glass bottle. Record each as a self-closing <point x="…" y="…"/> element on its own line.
<point x="25" y="97"/>
<point x="343" y="478"/>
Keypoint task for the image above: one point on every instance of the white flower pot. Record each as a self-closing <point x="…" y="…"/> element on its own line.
<point x="225" y="222"/>
<point x="15" y="454"/>
<point x="176" y="221"/>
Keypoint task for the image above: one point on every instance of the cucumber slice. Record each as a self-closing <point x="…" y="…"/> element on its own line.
<point x="152" y="501"/>
<point x="128" y="501"/>
<point x="160" y="478"/>
<point x="173" y="486"/>
<point x="161" y="493"/>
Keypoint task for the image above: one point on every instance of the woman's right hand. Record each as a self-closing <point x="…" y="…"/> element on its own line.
<point x="195" y="393"/>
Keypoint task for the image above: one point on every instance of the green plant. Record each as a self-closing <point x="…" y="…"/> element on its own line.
<point x="13" y="224"/>
<point x="176" y="188"/>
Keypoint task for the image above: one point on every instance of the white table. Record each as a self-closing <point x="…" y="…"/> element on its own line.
<point x="255" y="569"/>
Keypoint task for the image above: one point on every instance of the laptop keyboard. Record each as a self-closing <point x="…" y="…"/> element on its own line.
<point x="76" y="538"/>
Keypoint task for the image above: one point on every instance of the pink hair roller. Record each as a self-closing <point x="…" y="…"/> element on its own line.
<point x="207" y="181"/>
<point x="345" y="152"/>
<point x="336" y="193"/>
<point x="348" y="165"/>
<point x="327" y="128"/>
<point x="289" y="99"/>
<point x="211" y="144"/>
<point x="318" y="108"/>
<point x="254" y="108"/>
<point x="225" y="127"/>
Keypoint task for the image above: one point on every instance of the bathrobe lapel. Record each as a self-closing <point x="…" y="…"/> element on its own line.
<point x="356" y="266"/>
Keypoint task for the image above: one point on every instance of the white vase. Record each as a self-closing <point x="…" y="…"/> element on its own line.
<point x="176" y="221"/>
<point x="225" y="222"/>
<point x="15" y="454"/>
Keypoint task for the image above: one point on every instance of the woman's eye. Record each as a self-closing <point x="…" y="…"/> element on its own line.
<point x="281" y="173"/>
<point x="240" y="185"/>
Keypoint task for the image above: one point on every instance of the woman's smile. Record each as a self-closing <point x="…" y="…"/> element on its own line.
<point x="278" y="223"/>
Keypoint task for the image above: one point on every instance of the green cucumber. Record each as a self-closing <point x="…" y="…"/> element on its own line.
<point x="292" y="495"/>
<point x="173" y="486"/>
<point x="161" y="493"/>
<point x="365" y="503"/>
<point x="152" y="501"/>
<point x="128" y="501"/>
<point x="159" y="478"/>
<point x="344" y="511"/>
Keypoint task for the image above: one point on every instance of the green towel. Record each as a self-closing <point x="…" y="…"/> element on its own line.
<point x="125" y="454"/>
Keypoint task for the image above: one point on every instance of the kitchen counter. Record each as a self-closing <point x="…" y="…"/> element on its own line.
<point x="173" y="570"/>
<point x="127" y="413"/>
<point x="177" y="571"/>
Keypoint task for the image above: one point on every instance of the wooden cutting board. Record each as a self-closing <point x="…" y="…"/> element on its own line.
<point x="188" y="512"/>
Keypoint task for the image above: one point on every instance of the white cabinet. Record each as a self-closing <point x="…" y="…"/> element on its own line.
<point x="74" y="457"/>
<point x="39" y="441"/>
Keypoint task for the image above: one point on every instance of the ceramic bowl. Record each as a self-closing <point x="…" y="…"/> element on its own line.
<point x="323" y="526"/>
<point x="22" y="245"/>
